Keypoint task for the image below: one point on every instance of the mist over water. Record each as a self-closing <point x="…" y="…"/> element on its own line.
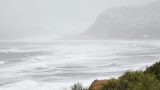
<point x="53" y="44"/>
<point x="53" y="19"/>
<point x="56" y="65"/>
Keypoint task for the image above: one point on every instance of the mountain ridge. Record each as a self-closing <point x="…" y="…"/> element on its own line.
<point x="141" y="22"/>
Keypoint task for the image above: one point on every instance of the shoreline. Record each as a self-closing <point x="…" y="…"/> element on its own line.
<point x="151" y="74"/>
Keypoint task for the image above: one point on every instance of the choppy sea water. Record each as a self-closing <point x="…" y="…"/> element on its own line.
<point x="56" y="65"/>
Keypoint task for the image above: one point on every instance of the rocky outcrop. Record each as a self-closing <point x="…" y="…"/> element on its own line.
<point x="97" y="84"/>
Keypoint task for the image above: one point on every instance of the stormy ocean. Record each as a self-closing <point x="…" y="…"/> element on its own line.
<point x="56" y="65"/>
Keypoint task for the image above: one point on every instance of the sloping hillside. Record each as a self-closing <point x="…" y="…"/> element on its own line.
<point x="128" y="22"/>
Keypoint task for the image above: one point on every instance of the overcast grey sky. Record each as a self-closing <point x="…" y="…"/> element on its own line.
<point x="35" y="18"/>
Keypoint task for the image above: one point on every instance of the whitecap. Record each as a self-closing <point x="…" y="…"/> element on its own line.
<point x="34" y="85"/>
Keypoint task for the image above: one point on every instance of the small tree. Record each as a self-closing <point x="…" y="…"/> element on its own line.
<point x="78" y="86"/>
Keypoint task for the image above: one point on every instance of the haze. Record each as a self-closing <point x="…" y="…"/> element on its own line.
<point x="20" y="19"/>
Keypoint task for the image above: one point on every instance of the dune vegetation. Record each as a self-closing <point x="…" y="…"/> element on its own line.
<point x="148" y="79"/>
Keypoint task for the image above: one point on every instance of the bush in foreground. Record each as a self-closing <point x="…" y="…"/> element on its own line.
<point x="133" y="80"/>
<point x="137" y="80"/>
<point x="78" y="86"/>
<point x="154" y="69"/>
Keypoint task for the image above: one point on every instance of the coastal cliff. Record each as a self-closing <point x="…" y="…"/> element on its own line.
<point x="138" y="22"/>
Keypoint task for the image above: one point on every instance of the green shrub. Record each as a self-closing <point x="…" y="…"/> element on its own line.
<point x="78" y="86"/>
<point x="136" y="80"/>
<point x="111" y="85"/>
<point x="148" y="82"/>
<point x="154" y="69"/>
<point x="129" y="79"/>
